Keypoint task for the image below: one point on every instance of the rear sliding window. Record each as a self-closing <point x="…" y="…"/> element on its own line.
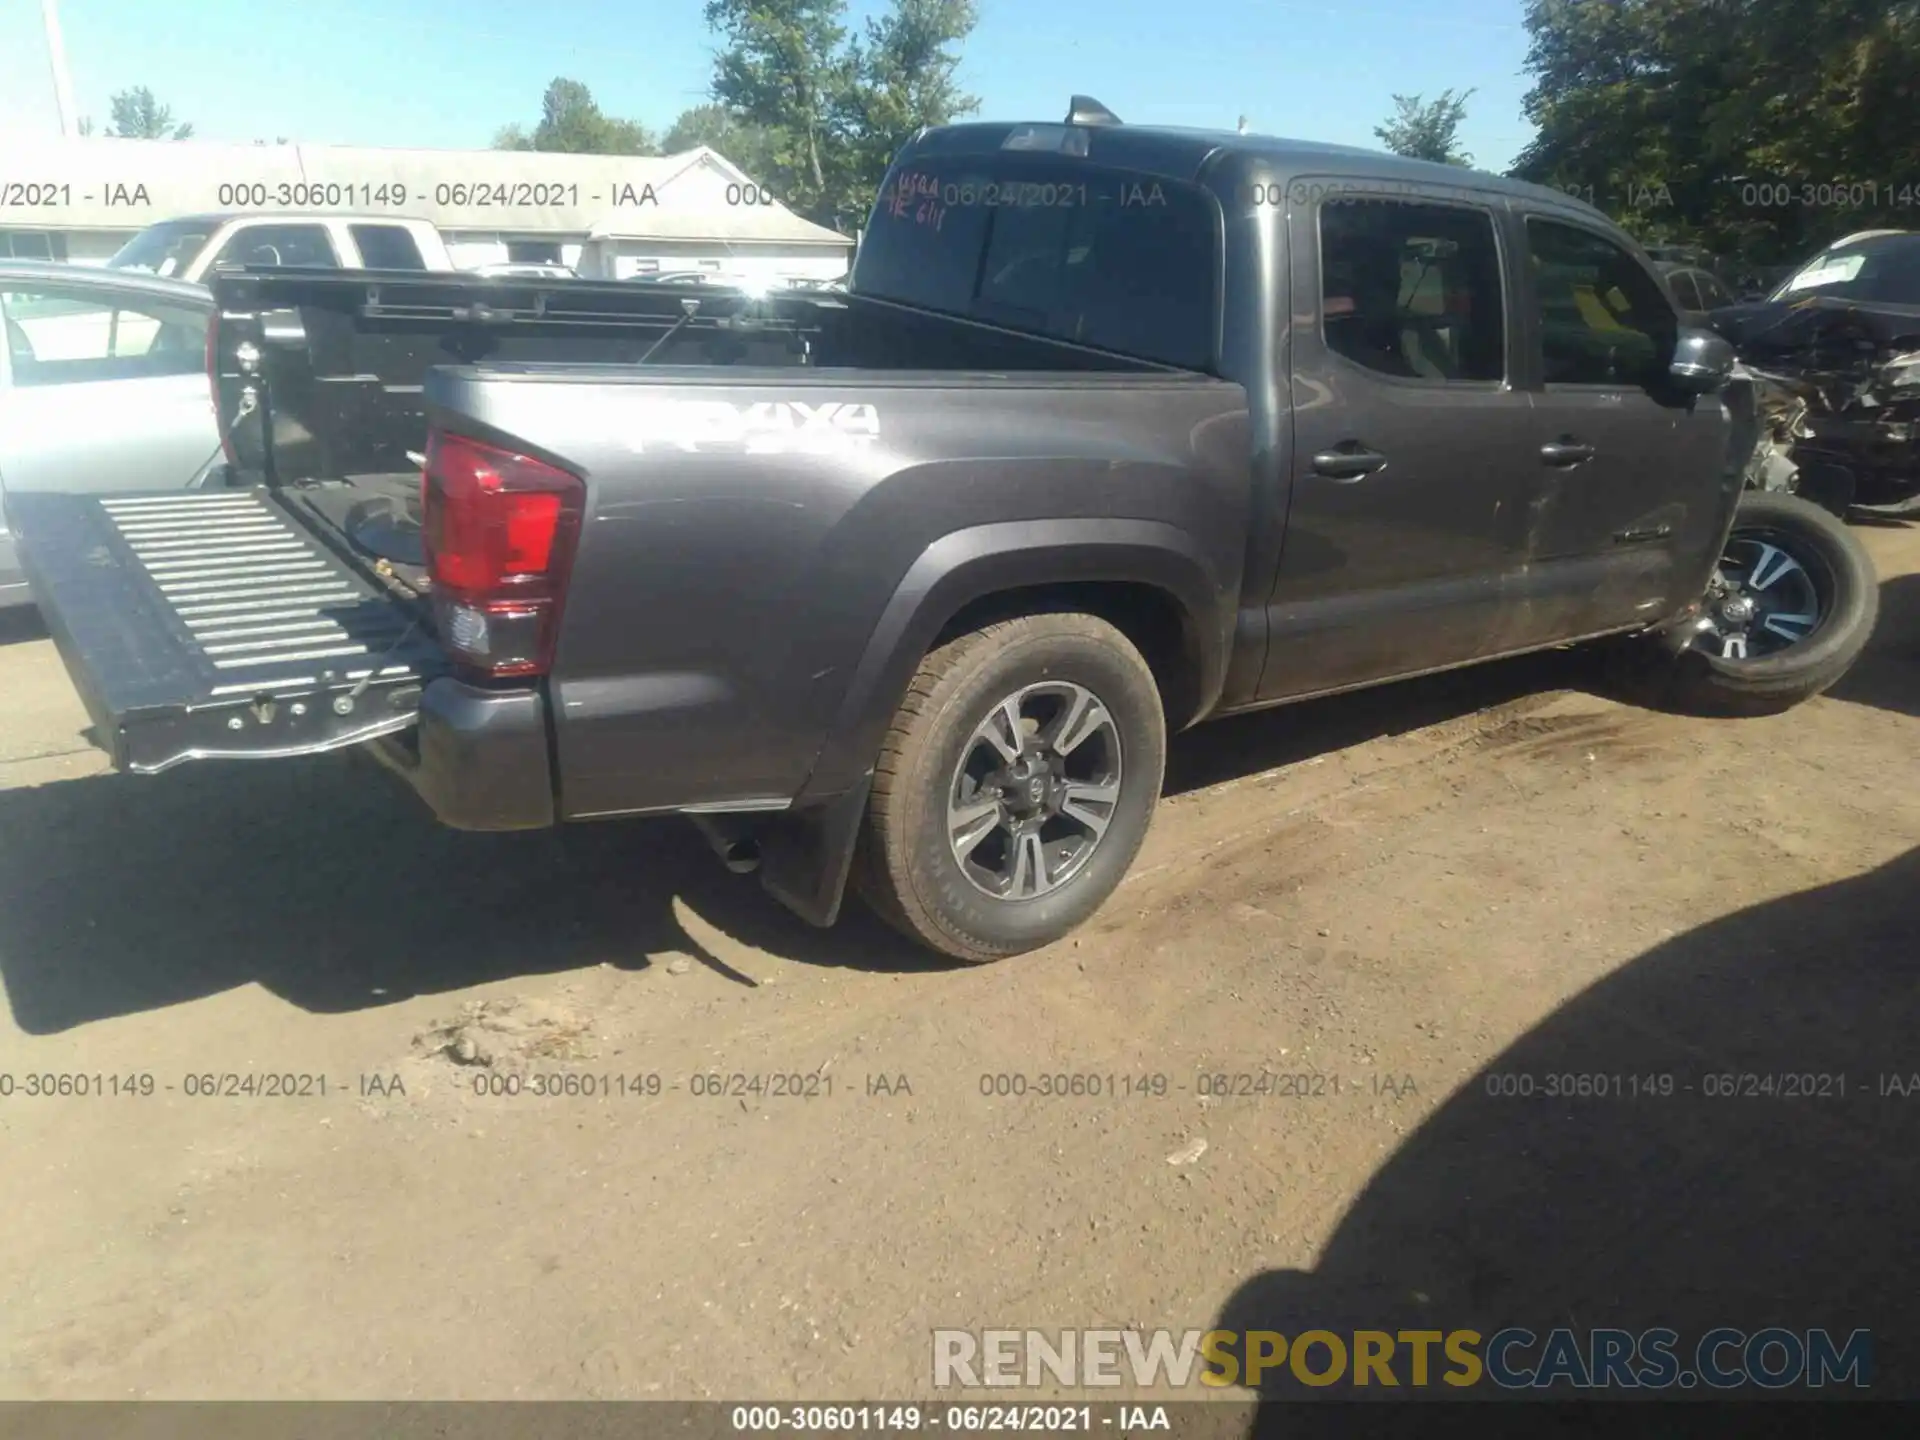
<point x="1106" y="258"/>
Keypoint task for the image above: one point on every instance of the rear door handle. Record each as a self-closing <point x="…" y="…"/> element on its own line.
<point x="1344" y="463"/>
<point x="1566" y="451"/>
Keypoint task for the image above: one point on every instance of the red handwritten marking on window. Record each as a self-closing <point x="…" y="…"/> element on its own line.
<point x="911" y="186"/>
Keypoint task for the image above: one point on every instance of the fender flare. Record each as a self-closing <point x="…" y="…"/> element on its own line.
<point x="967" y="565"/>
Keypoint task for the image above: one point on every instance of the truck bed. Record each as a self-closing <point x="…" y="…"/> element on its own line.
<point x="344" y="356"/>
<point x="285" y="614"/>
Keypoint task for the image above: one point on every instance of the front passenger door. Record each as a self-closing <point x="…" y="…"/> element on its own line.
<point x="1412" y="452"/>
<point x="1630" y="475"/>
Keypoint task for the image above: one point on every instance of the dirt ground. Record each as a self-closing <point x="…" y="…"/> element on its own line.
<point x="1499" y="872"/>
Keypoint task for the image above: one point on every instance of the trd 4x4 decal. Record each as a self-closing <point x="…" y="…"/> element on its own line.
<point x="763" y="427"/>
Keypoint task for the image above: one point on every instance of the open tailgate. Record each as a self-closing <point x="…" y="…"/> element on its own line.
<point x="199" y="625"/>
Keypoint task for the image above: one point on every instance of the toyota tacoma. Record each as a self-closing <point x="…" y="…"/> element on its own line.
<point x="1113" y="430"/>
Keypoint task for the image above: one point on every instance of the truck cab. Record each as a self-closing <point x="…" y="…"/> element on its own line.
<point x="188" y="248"/>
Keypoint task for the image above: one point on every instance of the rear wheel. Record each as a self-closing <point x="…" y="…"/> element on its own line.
<point x="1788" y="610"/>
<point x="1015" y="786"/>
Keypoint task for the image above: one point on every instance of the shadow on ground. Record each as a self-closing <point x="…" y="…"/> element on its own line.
<point x="325" y="882"/>
<point x="1248" y="744"/>
<point x="1868" y="519"/>
<point x="1691" y="1211"/>
<point x="20" y="623"/>
<point x="1888" y="674"/>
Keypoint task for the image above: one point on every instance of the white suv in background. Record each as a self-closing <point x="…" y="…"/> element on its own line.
<point x="189" y="247"/>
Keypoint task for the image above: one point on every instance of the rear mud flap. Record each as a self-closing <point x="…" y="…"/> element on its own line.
<point x="212" y="625"/>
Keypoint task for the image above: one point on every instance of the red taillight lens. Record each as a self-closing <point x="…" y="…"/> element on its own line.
<point x="499" y="530"/>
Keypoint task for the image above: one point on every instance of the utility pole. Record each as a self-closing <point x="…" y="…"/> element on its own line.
<point x="57" y="57"/>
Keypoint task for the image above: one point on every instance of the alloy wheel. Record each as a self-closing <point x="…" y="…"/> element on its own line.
<point x="1035" y="789"/>
<point x="1766" y="595"/>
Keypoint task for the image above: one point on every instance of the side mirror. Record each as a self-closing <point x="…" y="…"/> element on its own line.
<point x="1702" y="362"/>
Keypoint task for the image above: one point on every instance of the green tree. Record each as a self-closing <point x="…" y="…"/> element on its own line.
<point x="571" y="122"/>
<point x="905" y="77"/>
<point x="713" y="126"/>
<point x="833" y="108"/>
<point x="784" y="68"/>
<point x="1688" y="119"/>
<point x="708" y="124"/>
<point x="1626" y="98"/>
<point x="138" y="116"/>
<point x="1427" y="129"/>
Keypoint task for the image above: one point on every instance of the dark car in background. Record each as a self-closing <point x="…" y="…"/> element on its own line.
<point x="1841" y="334"/>
<point x="1691" y="255"/>
<point x="1696" y="290"/>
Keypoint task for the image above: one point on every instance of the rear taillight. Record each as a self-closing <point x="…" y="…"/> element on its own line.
<point x="499" y="531"/>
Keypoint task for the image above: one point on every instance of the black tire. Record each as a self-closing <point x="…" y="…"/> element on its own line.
<point x="905" y="866"/>
<point x="1849" y="596"/>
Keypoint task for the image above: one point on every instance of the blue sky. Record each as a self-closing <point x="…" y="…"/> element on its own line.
<point x="422" y="73"/>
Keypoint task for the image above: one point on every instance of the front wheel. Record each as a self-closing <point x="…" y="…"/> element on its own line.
<point x="1787" y="612"/>
<point x="1015" y="787"/>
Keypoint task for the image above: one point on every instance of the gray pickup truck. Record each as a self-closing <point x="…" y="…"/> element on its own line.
<point x="1114" y="430"/>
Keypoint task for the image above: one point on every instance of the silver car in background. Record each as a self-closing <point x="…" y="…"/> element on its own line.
<point x="103" y="386"/>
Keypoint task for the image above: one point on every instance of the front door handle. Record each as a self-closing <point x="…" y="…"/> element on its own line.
<point x="1348" y="462"/>
<point x="1566" y="451"/>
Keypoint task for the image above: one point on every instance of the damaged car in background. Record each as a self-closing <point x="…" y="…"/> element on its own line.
<point x="1832" y="358"/>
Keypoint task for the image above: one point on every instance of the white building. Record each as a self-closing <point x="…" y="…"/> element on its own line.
<point x="606" y="215"/>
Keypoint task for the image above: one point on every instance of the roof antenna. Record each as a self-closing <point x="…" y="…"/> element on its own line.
<point x="1085" y="110"/>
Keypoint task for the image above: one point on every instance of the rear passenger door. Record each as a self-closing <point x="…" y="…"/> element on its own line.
<point x="1629" y="476"/>
<point x="1412" y="450"/>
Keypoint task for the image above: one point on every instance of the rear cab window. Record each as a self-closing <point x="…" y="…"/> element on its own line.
<point x="1112" y="259"/>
